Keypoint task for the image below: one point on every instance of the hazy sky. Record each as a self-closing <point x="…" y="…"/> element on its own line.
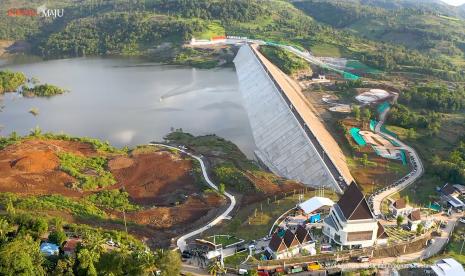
<point x="454" y="2"/>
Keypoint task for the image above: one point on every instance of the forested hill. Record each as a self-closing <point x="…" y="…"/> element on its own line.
<point x="430" y="26"/>
<point x="90" y="27"/>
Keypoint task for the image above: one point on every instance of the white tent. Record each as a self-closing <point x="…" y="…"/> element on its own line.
<point x="448" y="267"/>
<point x="315" y="203"/>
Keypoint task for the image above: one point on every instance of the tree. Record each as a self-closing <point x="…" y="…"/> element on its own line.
<point x="21" y="257"/>
<point x="64" y="267"/>
<point x="168" y="262"/>
<point x="4" y="229"/>
<point x="40" y="226"/>
<point x="400" y="220"/>
<point x="364" y="159"/>
<point x="215" y="268"/>
<point x="221" y="188"/>
<point x="356" y="112"/>
<point x="86" y="260"/>
<point x="420" y="229"/>
<point x="411" y="133"/>
<point x="58" y="237"/>
<point x="366" y="114"/>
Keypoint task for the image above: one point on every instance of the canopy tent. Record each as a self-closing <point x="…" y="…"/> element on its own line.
<point x="314" y="204"/>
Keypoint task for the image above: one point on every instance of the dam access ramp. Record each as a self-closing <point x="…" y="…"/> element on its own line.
<point x="291" y="140"/>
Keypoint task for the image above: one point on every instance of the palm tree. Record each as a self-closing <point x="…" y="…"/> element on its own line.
<point x="36" y="131"/>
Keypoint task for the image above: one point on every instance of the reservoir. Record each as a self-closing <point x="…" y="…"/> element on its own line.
<point x="128" y="101"/>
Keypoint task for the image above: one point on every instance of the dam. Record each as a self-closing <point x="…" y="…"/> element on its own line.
<point x="291" y="140"/>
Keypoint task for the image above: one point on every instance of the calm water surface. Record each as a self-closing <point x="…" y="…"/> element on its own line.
<point x="129" y="101"/>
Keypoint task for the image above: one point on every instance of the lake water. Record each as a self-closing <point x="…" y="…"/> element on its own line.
<point x="129" y="101"/>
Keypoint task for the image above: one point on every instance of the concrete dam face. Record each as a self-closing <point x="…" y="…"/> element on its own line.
<point x="285" y="141"/>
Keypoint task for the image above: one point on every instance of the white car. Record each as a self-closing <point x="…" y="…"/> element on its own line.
<point x="462" y="220"/>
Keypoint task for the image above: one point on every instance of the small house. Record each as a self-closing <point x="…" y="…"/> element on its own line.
<point x="400" y="208"/>
<point x="450" y="195"/>
<point x="70" y="246"/>
<point x="414" y="219"/>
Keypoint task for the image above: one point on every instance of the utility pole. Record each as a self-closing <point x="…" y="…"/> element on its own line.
<point x="463" y="242"/>
<point x="125" y="226"/>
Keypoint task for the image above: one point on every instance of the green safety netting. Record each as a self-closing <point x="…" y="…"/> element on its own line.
<point x="387" y="131"/>
<point x="434" y="206"/>
<point x="373" y="124"/>
<point x="357" y="137"/>
<point x="403" y="157"/>
<point x="345" y="75"/>
<point x="382" y="107"/>
<point x="360" y="67"/>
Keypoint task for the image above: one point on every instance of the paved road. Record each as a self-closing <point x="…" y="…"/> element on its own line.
<point x="181" y="242"/>
<point x="401" y="184"/>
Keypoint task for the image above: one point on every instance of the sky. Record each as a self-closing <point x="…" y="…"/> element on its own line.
<point x="454" y="2"/>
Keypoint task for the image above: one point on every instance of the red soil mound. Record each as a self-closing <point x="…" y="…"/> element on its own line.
<point x="35" y="162"/>
<point x="32" y="167"/>
<point x="188" y="212"/>
<point x="155" y="178"/>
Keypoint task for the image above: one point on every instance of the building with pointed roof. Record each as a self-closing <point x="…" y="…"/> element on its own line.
<point x="277" y="248"/>
<point x="291" y="244"/>
<point x="306" y="242"/>
<point x="351" y="222"/>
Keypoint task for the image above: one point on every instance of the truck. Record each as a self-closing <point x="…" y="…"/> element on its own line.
<point x="294" y="269"/>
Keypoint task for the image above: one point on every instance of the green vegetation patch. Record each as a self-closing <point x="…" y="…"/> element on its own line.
<point x="43" y="90"/>
<point x="213" y="29"/>
<point x="90" y="171"/>
<point x="113" y="199"/>
<point x="224" y="240"/>
<point x="326" y="50"/>
<point x="11" y="81"/>
<point x="52" y="202"/>
<point x="288" y="62"/>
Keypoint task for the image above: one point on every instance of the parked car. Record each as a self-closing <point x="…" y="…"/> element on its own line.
<point x="462" y="219"/>
<point x="363" y="259"/>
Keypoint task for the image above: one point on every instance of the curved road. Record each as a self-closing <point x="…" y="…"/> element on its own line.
<point x="181" y="242"/>
<point x="399" y="185"/>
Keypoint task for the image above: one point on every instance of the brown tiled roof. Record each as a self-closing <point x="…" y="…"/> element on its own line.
<point x="415" y="215"/>
<point x="290" y="239"/>
<point x="400" y="203"/>
<point x="276" y="243"/>
<point x="71" y="244"/>
<point x="354" y="205"/>
<point x="381" y="234"/>
<point x="302" y="234"/>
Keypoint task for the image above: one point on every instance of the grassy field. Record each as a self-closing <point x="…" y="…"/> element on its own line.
<point x="254" y="221"/>
<point x="327" y="50"/>
<point x="213" y="29"/>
